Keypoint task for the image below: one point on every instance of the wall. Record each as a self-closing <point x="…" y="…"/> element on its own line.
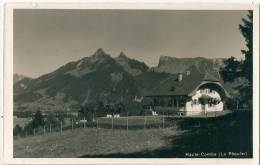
<point x="193" y="107"/>
<point x="218" y="107"/>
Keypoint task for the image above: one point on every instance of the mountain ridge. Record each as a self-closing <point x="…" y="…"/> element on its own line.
<point x="175" y="65"/>
<point x="97" y="78"/>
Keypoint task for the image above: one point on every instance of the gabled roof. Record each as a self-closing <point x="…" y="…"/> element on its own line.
<point x="189" y="83"/>
<point x="209" y="77"/>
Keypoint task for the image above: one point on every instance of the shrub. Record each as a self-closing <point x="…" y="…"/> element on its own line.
<point x="18" y="130"/>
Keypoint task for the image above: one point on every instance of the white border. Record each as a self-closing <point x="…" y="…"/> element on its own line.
<point x="1" y="83"/>
<point x="8" y="79"/>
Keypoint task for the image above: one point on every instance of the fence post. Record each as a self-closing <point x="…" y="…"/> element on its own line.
<point x="97" y="123"/>
<point x="84" y="122"/>
<point x="163" y="121"/>
<point x="144" y="121"/>
<point x="112" y="122"/>
<point x="127" y="122"/>
<point x="61" y="127"/>
<point x="72" y="124"/>
<point x="44" y="130"/>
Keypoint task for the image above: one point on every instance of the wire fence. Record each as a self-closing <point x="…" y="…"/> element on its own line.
<point x="122" y="123"/>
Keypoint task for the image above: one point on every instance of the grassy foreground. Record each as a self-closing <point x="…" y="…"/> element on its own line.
<point x="225" y="137"/>
<point x="91" y="141"/>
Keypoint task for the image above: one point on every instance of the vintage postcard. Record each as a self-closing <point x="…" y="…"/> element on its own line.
<point x="113" y="83"/>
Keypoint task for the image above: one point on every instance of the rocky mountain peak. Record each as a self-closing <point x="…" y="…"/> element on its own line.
<point x="18" y="77"/>
<point x="166" y="59"/>
<point x="174" y="65"/>
<point x="100" y="53"/>
<point x="130" y="65"/>
<point x="122" y="55"/>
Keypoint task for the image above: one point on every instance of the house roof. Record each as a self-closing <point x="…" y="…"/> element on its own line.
<point x="189" y="83"/>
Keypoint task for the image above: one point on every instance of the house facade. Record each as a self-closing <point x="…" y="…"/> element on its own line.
<point x="188" y="94"/>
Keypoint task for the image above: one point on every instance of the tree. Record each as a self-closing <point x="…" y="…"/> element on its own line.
<point x="83" y="111"/>
<point x="60" y="117"/>
<point x="38" y="120"/>
<point x="119" y="108"/>
<point x="246" y="30"/>
<point x="51" y="119"/>
<point x="92" y="110"/>
<point x="88" y="111"/>
<point x="101" y="111"/>
<point x="110" y="109"/>
<point x="17" y="130"/>
<point x="234" y="69"/>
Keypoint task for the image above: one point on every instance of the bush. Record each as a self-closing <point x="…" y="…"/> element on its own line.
<point x="134" y="109"/>
<point x="38" y="120"/>
<point x="233" y="104"/>
<point x="51" y="119"/>
<point x="18" y="130"/>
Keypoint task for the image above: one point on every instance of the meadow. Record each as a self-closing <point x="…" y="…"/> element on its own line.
<point x="229" y="133"/>
<point x="90" y="141"/>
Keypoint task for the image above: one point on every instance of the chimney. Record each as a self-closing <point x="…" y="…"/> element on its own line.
<point x="179" y="76"/>
<point x="187" y="72"/>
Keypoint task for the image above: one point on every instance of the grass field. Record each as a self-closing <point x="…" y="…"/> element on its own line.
<point x="90" y="141"/>
<point x="230" y="133"/>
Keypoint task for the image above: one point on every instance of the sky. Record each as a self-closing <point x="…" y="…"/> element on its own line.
<point x="44" y="39"/>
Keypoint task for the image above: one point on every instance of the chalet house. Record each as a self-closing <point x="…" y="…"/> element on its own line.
<point x="188" y="94"/>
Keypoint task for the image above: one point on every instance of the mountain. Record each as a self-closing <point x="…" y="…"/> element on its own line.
<point x="131" y="66"/>
<point x="175" y="65"/>
<point x="21" y="85"/>
<point x="91" y="79"/>
<point x="18" y="77"/>
<point x="101" y="78"/>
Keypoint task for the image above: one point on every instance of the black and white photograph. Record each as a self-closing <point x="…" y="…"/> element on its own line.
<point x="132" y="83"/>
